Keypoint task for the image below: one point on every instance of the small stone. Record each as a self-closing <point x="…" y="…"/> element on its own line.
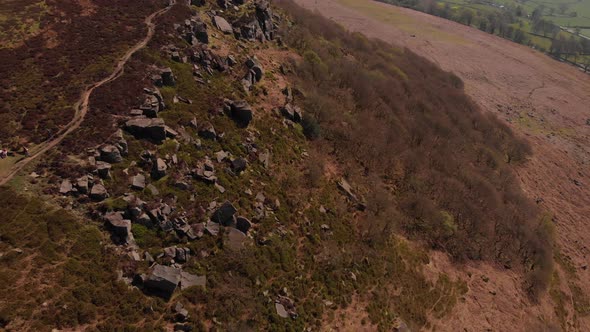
<point x="153" y="190"/>
<point x="138" y="182"/>
<point x="239" y="165"/>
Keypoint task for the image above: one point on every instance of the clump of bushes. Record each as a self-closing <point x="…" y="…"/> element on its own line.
<point x="447" y="166"/>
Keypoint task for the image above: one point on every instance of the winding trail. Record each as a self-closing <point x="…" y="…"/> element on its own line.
<point x="82" y="105"/>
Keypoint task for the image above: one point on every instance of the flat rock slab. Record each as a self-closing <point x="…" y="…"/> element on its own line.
<point x="281" y="310"/>
<point x="163" y="280"/>
<point x="153" y="129"/>
<point x="222" y="24"/>
<point x="190" y="280"/>
<point x="235" y="238"/>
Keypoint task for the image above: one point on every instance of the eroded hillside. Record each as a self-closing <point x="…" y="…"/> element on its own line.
<point x="257" y="167"/>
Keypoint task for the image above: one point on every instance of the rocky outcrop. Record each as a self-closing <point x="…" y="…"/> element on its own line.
<point x="205" y="171"/>
<point x="152" y="129"/>
<point x="254" y="74"/>
<point x="208" y="61"/>
<point x="194" y="30"/>
<point x="159" y="168"/>
<point x="153" y="103"/>
<point x="181" y="312"/>
<point x="285" y="307"/>
<point x="265" y="16"/>
<point x="82" y="184"/>
<point x="168" y="78"/>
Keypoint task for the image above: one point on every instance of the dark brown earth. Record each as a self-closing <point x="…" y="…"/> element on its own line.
<point x="547" y="102"/>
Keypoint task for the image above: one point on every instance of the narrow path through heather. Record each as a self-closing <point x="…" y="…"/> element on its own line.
<point x="82" y="105"/>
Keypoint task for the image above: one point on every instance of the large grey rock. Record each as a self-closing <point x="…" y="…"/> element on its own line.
<point x="264" y="16"/>
<point x="239" y="165"/>
<point x="163" y="280"/>
<point x="82" y="184"/>
<point x="110" y="154"/>
<point x="103" y="169"/>
<point x="241" y="112"/>
<point x="224" y="215"/>
<point x="98" y="192"/>
<point x="200" y="32"/>
<point x="207" y="131"/>
<point x="212" y="228"/>
<point x="65" y="187"/>
<point x="243" y="224"/>
<point x="138" y="182"/>
<point x="222" y="25"/>
<point x="118" y="225"/>
<point x="153" y="129"/>
<point x="168" y="77"/>
<point x="159" y="168"/>
<point x="285" y="307"/>
<point x="152" y="104"/>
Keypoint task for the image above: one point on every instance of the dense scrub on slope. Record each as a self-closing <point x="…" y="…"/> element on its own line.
<point x="434" y="166"/>
<point x="43" y="77"/>
<point x="56" y="273"/>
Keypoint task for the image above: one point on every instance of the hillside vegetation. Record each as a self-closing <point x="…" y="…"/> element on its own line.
<point x="427" y="171"/>
<point x="433" y="165"/>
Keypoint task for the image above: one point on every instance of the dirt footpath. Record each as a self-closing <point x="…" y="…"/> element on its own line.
<point x="546" y="101"/>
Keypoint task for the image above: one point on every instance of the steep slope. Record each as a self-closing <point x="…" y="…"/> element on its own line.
<point x="542" y="100"/>
<point x="260" y="168"/>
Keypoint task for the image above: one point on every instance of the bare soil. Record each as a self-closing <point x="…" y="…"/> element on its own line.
<point x="547" y="102"/>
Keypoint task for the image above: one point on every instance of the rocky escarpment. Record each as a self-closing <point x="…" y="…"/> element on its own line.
<point x="139" y="191"/>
